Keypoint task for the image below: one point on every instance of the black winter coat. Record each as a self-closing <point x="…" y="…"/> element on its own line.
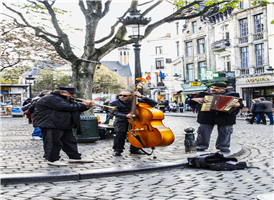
<point x="123" y="108"/>
<point x="213" y="117"/>
<point x="56" y="111"/>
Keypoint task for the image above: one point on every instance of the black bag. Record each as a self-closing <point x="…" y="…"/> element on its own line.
<point x="215" y="161"/>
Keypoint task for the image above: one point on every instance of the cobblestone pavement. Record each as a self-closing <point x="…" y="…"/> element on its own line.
<point x="25" y="156"/>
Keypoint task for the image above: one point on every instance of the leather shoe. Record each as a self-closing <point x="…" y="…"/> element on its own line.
<point x="57" y="163"/>
<point x="137" y="152"/>
<point x="224" y="150"/>
<point x="200" y="149"/>
<point x="116" y="153"/>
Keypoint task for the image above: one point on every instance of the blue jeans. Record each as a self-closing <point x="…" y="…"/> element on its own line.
<point x="269" y="115"/>
<point x="223" y="140"/>
<point x="37" y="132"/>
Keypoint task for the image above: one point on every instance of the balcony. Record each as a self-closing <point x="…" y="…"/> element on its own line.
<point x="243" y="39"/>
<point x="259" y="69"/>
<point x="258" y="36"/>
<point x="220" y="45"/>
<point x="244" y="71"/>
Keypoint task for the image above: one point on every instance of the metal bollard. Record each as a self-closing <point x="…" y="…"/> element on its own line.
<point x="190" y="143"/>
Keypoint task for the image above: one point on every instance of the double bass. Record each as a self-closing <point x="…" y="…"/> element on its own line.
<point x="146" y="128"/>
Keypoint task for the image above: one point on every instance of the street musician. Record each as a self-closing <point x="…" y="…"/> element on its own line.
<point x="208" y="119"/>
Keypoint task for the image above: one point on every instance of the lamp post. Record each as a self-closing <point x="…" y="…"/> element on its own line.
<point x="30" y="78"/>
<point x="270" y="69"/>
<point x="135" y="22"/>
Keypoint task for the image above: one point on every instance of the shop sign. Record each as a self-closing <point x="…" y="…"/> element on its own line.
<point x="257" y="79"/>
<point x="195" y="84"/>
<point x="158" y="96"/>
<point x="4" y="90"/>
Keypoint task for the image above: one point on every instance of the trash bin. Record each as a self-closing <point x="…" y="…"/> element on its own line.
<point x="90" y="130"/>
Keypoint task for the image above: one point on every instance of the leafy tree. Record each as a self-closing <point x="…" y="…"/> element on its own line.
<point x="50" y="80"/>
<point x="11" y="76"/>
<point x="106" y="81"/>
<point x="20" y="46"/>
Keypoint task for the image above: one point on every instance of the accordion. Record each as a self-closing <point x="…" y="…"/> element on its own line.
<point x="219" y="103"/>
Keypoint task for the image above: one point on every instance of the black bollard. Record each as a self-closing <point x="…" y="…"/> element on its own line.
<point x="190" y="143"/>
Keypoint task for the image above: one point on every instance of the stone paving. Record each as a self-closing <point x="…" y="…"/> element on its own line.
<point x="23" y="155"/>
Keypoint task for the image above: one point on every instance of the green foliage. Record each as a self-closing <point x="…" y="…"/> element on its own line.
<point x="50" y="80"/>
<point x="106" y="81"/>
<point x="11" y="76"/>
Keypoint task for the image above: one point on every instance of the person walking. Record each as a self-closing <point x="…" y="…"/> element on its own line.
<point x="268" y="110"/>
<point x="121" y="113"/>
<point x="106" y="109"/>
<point x="56" y="114"/>
<point x="181" y="107"/>
<point x="208" y="119"/>
<point x="257" y="109"/>
<point x="36" y="134"/>
<point x="162" y="106"/>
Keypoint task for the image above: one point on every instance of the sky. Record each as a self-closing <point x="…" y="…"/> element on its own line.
<point x="117" y="9"/>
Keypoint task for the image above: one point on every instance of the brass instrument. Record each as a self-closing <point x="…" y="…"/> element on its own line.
<point x="110" y="107"/>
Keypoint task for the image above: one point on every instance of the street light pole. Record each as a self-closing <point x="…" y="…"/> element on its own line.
<point x="30" y="78"/>
<point x="138" y="72"/>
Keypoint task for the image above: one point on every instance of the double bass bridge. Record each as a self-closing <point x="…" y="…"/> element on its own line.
<point x="137" y="129"/>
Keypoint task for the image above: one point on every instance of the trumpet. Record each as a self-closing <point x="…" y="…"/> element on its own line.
<point x="110" y="107"/>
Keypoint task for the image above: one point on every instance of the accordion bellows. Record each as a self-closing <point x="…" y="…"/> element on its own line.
<point x="219" y="103"/>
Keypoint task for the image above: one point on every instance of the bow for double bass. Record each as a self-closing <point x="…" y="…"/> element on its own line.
<point x="146" y="128"/>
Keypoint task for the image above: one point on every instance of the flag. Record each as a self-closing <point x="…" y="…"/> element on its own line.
<point x="157" y="73"/>
<point x="148" y="77"/>
<point x="162" y="75"/>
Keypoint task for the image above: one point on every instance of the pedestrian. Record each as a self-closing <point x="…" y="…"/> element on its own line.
<point x="25" y="107"/>
<point x="173" y="107"/>
<point x="36" y="134"/>
<point x="257" y="108"/>
<point x="106" y="109"/>
<point x="208" y="119"/>
<point x="181" y="106"/>
<point x="122" y="115"/>
<point x="268" y="110"/>
<point x="162" y="106"/>
<point x="56" y="114"/>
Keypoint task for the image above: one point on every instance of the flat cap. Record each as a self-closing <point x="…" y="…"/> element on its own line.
<point x="219" y="85"/>
<point x="69" y="89"/>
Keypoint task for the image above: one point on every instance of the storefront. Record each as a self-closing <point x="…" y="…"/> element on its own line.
<point x="255" y="87"/>
<point x="12" y="99"/>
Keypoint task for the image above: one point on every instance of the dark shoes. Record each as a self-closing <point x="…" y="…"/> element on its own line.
<point x="137" y="152"/>
<point x="200" y="149"/>
<point x="116" y="153"/>
<point x="224" y="150"/>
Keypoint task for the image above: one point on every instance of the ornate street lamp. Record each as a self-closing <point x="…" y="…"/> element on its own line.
<point x="270" y="69"/>
<point x="30" y="78"/>
<point x="134" y="23"/>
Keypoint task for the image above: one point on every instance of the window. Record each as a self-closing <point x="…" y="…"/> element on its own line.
<point x="243" y="27"/>
<point x="259" y="54"/>
<point x="202" y="70"/>
<point x="201" y="46"/>
<point x="177" y="48"/>
<point x="190" y="72"/>
<point x="241" y="5"/>
<point x="258" y="23"/>
<point x="189" y="49"/>
<point x="194" y="27"/>
<point x="125" y="53"/>
<point x="159" y="50"/>
<point x="225" y="32"/>
<point x="177" y="28"/>
<point x="244" y="57"/>
<point x="159" y="63"/>
<point x="226" y="63"/>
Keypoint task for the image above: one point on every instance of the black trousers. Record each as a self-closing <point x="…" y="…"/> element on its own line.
<point x="262" y="117"/>
<point x="56" y="139"/>
<point x="119" y="142"/>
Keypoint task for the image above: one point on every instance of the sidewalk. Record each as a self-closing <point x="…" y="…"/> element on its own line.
<point x="22" y="160"/>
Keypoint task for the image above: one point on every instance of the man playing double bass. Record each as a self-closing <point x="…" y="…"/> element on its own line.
<point x="122" y="114"/>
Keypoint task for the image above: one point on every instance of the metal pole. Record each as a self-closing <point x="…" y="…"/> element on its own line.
<point x="30" y="90"/>
<point x="138" y="73"/>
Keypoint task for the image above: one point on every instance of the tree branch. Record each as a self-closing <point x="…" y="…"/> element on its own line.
<point x="151" y="7"/>
<point x="106" y="10"/>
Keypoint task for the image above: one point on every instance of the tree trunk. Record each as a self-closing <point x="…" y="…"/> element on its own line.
<point x="82" y="80"/>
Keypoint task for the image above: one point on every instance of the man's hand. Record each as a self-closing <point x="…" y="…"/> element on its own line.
<point x="26" y="112"/>
<point x="199" y="100"/>
<point x="88" y="103"/>
<point x="235" y="104"/>
<point x="130" y="115"/>
<point x="137" y="93"/>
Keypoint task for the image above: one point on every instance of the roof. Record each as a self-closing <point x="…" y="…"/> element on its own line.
<point x="117" y="67"/>
<point x="39" y="66"/>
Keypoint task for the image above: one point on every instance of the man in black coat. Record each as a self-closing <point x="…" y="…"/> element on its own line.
<point x="56" y="114"/>
<point x="208" y="119"/>
<point x="122" y="114"/>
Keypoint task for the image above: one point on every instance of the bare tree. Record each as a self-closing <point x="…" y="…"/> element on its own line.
<point x="84" y="67"/>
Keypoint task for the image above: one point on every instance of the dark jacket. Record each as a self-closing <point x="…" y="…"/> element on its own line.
<point x="56" y="111"/>
<point x="258" y="107"/>
<point x="213" y="117"/>
<point x="123" y="108"/>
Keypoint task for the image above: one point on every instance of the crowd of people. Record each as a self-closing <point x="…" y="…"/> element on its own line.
<point x="55" y="114"/>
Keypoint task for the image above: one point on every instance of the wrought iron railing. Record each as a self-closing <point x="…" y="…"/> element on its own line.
<point x="244" y="71"/>
<point x="243" y="39"/>
<point x="258" y="36"/>
<point x="220" y="43"/>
